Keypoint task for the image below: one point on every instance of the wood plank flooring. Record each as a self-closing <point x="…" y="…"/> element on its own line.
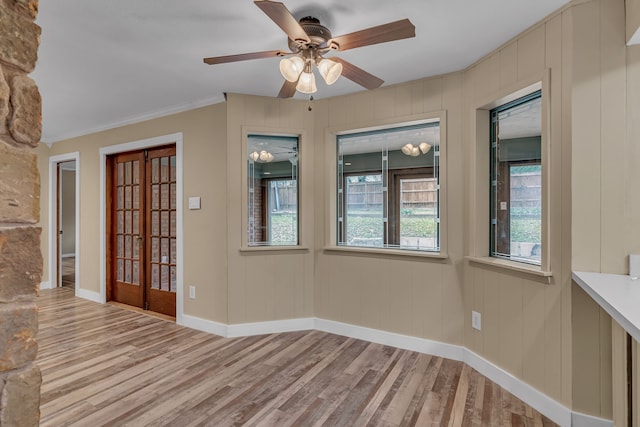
<point x="105" y="365"/>
<point x="69" y="272"/>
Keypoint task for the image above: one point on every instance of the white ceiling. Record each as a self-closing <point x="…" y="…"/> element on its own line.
<point x="103" y="64"/>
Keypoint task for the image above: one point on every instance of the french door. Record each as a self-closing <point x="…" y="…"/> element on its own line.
<point x="142" y="229"/>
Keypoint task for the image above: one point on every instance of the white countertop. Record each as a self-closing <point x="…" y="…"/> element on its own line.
<point x="618" y="294"/>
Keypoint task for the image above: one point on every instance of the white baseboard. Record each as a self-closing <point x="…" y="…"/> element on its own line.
<point x="406" y="342"/>
<point x="247" y="329"/>
<point x="204" y="325"/>
<point x="89" y="295"/>
<point x="272" y="327"/>
<point x="547" y="406"/>
<point x="582" y="420"/>
<point x="45" y="285"/>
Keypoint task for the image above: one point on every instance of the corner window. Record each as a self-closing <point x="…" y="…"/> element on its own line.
<point x="388" y="188"/>
<point x="272" y="190"/>
<point x="516" y="180"/>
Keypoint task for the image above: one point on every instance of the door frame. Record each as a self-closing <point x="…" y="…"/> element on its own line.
<point x="54" y="256"/>
<point x="175" y="138"/>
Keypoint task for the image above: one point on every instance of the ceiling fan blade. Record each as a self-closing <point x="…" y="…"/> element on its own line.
<point x="243" y="57"/>
<point x="288" y="89"/>
<point x="358" y="75"/>
<point x="279" y="14"/>
<point x="397" y="30"/>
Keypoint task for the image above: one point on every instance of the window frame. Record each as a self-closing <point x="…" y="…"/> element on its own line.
<point x="303" y="165"/>
<point x="331" y="154"/>
<point x="504" y="217"/>
<point x="479" y="212"/>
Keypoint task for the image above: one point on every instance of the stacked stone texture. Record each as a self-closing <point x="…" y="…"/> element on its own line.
<point x="20" y="257"/>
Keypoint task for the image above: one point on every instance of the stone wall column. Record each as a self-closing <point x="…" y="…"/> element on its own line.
<point x="20" y="257"/>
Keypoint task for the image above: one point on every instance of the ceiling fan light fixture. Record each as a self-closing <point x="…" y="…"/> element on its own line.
<point x="290" y="68"/>
<point x="424" y="147"/>
<point x="415" y="151"/>
<point x="265" y="156"/>
<point x="329" y="70"/>
<point x="254" y="156"/>
<point x="407" y="149"/>
<point x="307" y="83"/>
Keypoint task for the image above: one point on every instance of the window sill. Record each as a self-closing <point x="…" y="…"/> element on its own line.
<point x="532" y="271"/>
<point x="387" y="252"/>
<point x="249" y="250"/>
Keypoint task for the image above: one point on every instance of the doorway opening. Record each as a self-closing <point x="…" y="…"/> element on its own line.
<point x="141" y="201"/>
<point x="67" y="224"/>
<point x="64" y="222"/>
<point x="107" y="239"/>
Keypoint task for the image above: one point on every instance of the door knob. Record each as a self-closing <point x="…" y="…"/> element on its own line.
<point x="140" y="239"/>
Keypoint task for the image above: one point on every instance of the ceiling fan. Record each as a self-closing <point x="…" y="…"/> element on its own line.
<point x="309" y="41"/>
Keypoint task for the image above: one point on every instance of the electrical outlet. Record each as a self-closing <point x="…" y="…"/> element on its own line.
<point x="192" y="292"/>
<point x="476" y="320"/>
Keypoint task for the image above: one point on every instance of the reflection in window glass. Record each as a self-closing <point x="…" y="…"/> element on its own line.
<point x="516" y="180"/>
<point x="364" y="220"/>
<point x="388" y="188"/>
<point x="272" y="190"/>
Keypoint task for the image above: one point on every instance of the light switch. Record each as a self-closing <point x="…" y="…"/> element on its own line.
<point x="194" y="202"/>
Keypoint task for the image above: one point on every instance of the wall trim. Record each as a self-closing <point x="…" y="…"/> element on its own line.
<point x="71" y="255"/>
<point x="247" y="329"/>
<point x="175" y="138"/>
<point x="204" y="325"/>
<point x="271" y="327"/>
<point x="89" y="295"/>
<point x="405" y="342"/>
<point x="583" y="420"/>
<point x="175" y="109"/>
<point x="523" y="391"/>
<point x="45" y="285"/>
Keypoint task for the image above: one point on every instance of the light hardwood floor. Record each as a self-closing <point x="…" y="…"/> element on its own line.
<point x="105" y="365"/>
<point x="69" y="272"/>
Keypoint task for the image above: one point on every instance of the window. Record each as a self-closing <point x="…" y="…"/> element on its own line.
<point x="272" y="190"/>
<point x="388" y="188"/>
<point x="516" y="180"/>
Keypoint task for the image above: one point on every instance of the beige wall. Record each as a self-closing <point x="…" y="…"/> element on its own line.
<point x="526" y="323"/>
<point x="420" y="297"/>
<point x="205" y="175"/>
<point x="546" y="333"/>
<point x="266" y="285"/>
<point x="606" y="105"/>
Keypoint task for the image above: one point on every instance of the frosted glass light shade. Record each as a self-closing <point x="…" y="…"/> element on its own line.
<point x="254" y="156"/>
<point x="407" y="149"/>
<point x="424" y="147"/>
<point x="329" y="70"/>
<point x="307" y="83"/>
<point x="290" y="68"/>
<point x="265" y="156"/>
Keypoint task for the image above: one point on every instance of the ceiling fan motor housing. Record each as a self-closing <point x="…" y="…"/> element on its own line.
<point x="318" y="34"/>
